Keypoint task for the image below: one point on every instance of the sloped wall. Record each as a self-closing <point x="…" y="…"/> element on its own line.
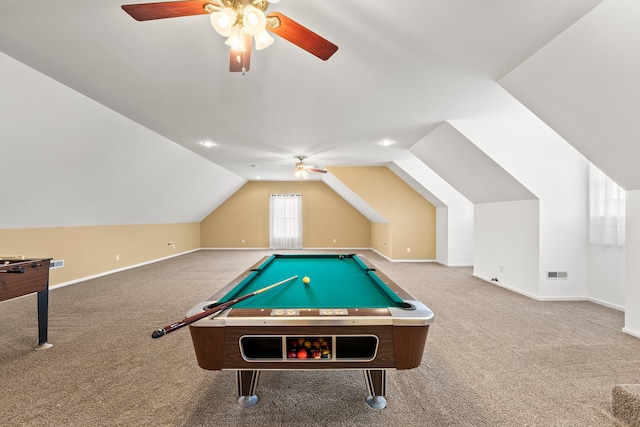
<point x="74" y="162"/>
<point x="412" y="219"/>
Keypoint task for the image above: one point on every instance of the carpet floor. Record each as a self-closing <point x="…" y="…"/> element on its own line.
<point x="492" y="358"/>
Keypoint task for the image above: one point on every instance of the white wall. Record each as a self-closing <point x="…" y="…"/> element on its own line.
<point x="506" y="244"/>
<point x="605" y="273"/>
<point x="632" y="269"/>
<point x="563" y="230"/>
<point x="581" y="84"/>
<point x="460" y="225"/>
<point x="552" y="170"/>
<point x="442" y="235"/>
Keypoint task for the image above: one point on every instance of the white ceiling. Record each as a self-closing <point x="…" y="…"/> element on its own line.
<point x="401" y="70"/>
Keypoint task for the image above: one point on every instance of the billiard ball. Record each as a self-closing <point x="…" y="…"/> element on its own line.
<point x="302" y="354"/>
<point x="306" y="280"/>
<point x="292" y="354"/>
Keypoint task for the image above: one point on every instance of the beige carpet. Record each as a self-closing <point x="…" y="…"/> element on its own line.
<point x="493" y="358"/>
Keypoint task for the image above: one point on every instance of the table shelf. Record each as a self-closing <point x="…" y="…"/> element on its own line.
<point x="316" y="349"/>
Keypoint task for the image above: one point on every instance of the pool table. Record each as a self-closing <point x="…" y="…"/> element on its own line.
<point x="349" y="316"/>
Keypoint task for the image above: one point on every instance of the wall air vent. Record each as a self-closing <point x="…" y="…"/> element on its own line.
<point x="557" y="275"/>
<point x="56" y="264"/>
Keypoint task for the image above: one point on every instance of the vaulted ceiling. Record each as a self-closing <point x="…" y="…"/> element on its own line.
<point x="400" y="72"/>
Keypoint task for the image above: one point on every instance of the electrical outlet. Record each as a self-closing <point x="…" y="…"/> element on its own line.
<point x="116" y="257"/>
<point x="334" y="240"/>
<point x="241" y="240"/>
<point x="408" y="250"/>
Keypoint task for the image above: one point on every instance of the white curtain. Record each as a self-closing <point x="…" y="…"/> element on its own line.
<point x="606" y="209"/>
<point x="285" y="221"/>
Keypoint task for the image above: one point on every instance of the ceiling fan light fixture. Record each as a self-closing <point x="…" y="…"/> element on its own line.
<point x="236" y="39"/>
<point x="253" y="20"/>
<point x="247" y="14"/>
<point x="263" y="39"/>
<point x="224" y="20"/>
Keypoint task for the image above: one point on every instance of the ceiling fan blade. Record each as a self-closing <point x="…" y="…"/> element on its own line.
<point x="241" y="60"/>
<point x="301" y="36"/>
<point x="171" y="9"/>
<point x="316" y="170"/>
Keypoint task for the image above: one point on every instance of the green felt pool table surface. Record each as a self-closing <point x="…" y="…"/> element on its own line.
<point x="337" y="281"/>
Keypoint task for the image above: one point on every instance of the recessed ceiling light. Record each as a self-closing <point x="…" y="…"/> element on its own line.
<point x="386" y="142"/>
<point x="208" y="144"/>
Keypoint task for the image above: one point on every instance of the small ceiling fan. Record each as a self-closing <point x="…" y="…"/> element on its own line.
<point x="302" y="169"/>
<point x="241" y="21"/>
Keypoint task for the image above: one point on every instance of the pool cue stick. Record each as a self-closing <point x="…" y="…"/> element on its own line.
<point x="164" y="331"/>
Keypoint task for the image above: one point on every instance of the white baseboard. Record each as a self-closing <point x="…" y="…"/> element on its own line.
<point x="106" y="273"/>
<point x="606" y="304"/>
<point x="553" y="298"/>
<point x="401" y="260"/>
<point x="631" y="332"/>
<point x="508" y="287"/>
<point x="233" y="249"/>
<point x="349" y="249"/>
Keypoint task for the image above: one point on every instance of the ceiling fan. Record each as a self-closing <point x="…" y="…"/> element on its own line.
<point x="241" y="21"/>
<point x="302" y="169"/>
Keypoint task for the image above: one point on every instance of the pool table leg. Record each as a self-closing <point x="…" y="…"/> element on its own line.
<point x="376" y="385"/>
<point x="247" y="382"/>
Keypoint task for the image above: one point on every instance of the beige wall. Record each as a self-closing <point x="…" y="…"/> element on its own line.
<point x="245" y="215"/>
<point x="381" y="238"/>
<point x="412" y="219"/>
<point x="88" y="251"/>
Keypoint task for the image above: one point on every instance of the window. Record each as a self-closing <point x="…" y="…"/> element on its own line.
<point x="606" y="209"/>
<point x="285" y="221"/>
